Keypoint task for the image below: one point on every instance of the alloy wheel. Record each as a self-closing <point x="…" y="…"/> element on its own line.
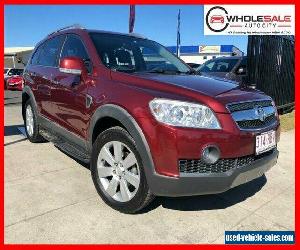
<point x="29" y="120"/>
<point x="118" y="171"/>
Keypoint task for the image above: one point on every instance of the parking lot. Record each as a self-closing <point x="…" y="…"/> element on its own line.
<point x="50" y="198"/>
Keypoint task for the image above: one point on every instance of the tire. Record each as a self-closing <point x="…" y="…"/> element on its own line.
<point x="32" y="132"/>
<point x="112" y="187"/>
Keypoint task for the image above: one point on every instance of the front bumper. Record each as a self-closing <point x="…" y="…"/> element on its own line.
<point x="170" y="144"/>
<point x="199" y="184"/>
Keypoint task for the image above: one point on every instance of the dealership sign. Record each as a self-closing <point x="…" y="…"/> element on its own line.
<point x="249" y="19"/>
<point x="209" y="49"/>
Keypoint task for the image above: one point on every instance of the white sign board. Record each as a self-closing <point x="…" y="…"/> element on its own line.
<point x="249" y="20"/>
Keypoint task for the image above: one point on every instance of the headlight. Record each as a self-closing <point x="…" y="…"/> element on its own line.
<point x="183" y="114"/>
<point x="275" y="107"/>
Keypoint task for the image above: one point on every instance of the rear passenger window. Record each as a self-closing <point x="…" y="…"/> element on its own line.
<point x="50" y="52"/>
<point x="74" y="47"/>
<point x="35" y="57"/>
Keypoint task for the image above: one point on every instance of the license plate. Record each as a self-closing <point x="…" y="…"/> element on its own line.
<point x="265" y="142"/>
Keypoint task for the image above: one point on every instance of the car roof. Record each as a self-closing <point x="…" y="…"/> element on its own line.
<point x="80" y="30"/>
<point x="117" y="33"/>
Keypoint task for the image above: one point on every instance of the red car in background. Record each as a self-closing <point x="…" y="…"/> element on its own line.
<point x="15" y="83"/>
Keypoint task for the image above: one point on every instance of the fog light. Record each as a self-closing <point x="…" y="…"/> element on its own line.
<point x="210" y="154"/>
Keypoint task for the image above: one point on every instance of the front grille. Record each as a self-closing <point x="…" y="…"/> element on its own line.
<point x="198" y="166"/>
<point x="221" y="166"/>
<point x="247" y="114"/>
<point x="248" y="105"/>
<point x="250" y="124"/>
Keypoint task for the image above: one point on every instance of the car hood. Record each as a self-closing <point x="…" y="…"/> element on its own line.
<point x="194" y="87"/>
<point x="205" y="85"/>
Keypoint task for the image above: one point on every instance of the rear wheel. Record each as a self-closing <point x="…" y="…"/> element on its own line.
<point x="118" y="173"/>
<point x="31" y="124"/>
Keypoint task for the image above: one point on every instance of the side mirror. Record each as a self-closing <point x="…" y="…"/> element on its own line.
<point x="241" y="71"/>
<point x="72" y="65"/>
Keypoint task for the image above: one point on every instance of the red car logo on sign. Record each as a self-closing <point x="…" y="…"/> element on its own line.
<point x="217" y="19"/>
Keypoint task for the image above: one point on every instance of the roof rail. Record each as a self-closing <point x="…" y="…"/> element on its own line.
<point x="73" y="26"/>
<point x="137" y="35"/>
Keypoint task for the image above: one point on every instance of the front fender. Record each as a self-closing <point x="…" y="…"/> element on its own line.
<point x="120" y="114"/>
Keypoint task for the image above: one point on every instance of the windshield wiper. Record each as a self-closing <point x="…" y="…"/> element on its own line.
<point x="162" y="71"/>
<point x="165" y="71"/>
<point x="191" y="72"/>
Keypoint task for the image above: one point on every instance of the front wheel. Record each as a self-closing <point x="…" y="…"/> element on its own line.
<point x="118" y="173"/>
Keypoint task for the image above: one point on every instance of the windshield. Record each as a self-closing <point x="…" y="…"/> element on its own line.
<point x="131" y="55"/>
<point x="219" y="65"/>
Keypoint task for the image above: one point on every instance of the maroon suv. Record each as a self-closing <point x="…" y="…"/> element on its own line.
<point x="146" y="124"/>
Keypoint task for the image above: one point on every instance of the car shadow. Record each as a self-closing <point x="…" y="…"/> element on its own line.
<point x="210" y="202"/>
<point x="201" y="202"/>
<point x="83" y="164"/>
<point x="12" y="130"/>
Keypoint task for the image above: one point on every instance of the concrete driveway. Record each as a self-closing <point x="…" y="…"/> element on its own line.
<point x="50" y="198"/>
<point x="12" y="97"/>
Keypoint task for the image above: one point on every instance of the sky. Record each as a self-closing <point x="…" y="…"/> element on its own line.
<point x="25" y="25"/>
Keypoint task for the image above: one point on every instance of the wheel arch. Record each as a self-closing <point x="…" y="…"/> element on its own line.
<point x="26" y="95"/>
<point x="125" y="120"/>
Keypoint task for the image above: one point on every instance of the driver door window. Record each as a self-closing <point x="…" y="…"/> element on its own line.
<point x="74" y="47"/>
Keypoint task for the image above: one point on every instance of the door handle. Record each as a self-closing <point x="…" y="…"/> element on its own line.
<point x="54" y="80"/>
<point x="76" y="81"/>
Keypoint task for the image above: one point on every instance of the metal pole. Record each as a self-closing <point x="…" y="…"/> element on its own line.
<point x="178" y="34"/>
<point x="14" y="62"/>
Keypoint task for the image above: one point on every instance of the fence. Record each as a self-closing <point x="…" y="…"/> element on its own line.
<point x="271" y="67"/>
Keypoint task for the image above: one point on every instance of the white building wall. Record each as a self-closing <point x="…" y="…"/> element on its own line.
<point x="16" y="57"/>
<point x="201" y="58"/>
